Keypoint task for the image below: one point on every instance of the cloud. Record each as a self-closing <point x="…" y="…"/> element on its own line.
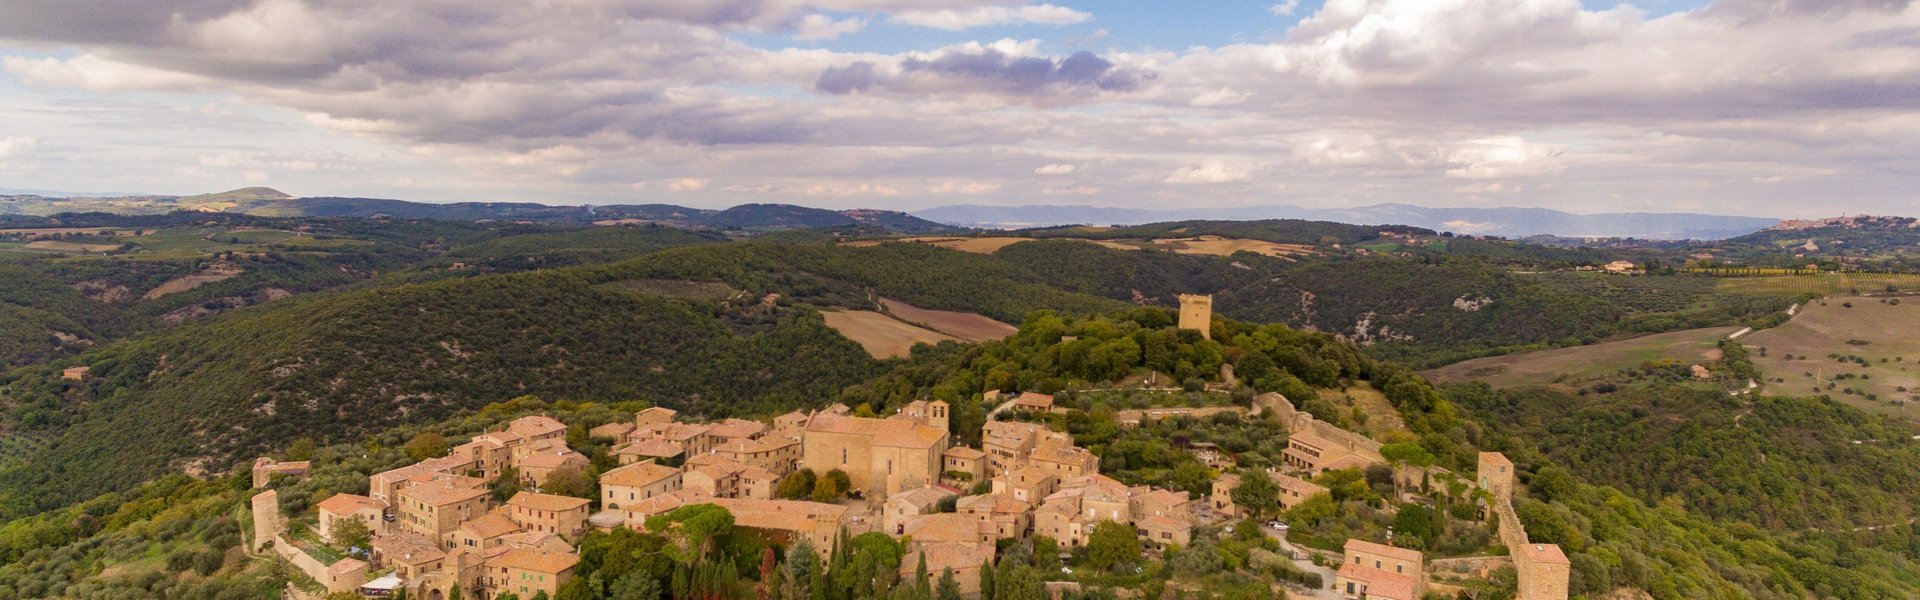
<point x="1070" y="190"/>
<point x="813" y="28"/>
<point x="1221" y="97"/>
<point x="964" y="187"/>
<point x="1212" y="171"/>
<point x="1005" y="67"/>
<point x="687" y="184"/>
<point x="16" y="145"/>
<point x="1285" y="9"/>
<point x="986" y="16"/>
<point x="1503" y="157"/>
<point x="1056" y="169"/>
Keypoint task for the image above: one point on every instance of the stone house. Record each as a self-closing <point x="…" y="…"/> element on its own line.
<point x="881" y="457"/>
<point x="1370" y="570"/>
<point x="435" y="508"/>
<point x="350" y="506"/>
<point x="563" y="516"/>
<point x="918" y="501"/>
<point x="636" y="482"/>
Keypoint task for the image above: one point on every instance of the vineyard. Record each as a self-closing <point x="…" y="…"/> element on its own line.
<point x="1823" y="284"/>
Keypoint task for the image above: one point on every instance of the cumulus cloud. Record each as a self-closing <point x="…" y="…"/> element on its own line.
<point x="1212" y="171"/>
<point x="1056" y="169"/>
<point x="1285" y="9"/>
<point x="17" y="145"/>
<point x="1004" y="67"/>
<point x="813" y="28"/>
<point x="984" y="16"/>
<point x="1361" y="101"/>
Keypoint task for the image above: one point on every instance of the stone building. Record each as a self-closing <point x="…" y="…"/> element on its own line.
<point x="1370" y="570"/>
<point x="626" y="485"/>
<point x="1196" y="313"/>
<point x="881" y="457"/>
<point x="350" y="506"/>
<point x="1293" y="491"/>
<point x="563" y="516"/>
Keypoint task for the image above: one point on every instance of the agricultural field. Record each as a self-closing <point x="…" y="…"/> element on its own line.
<point x="882" y="336"/>
<point x="1861" y="351"/>
<point x="1210" y="245"/>
<point x="1214" y="245"/>
<point x="967" y="326"/>
<point x="1547" y="367"/>
<point x="1824" y="284"/>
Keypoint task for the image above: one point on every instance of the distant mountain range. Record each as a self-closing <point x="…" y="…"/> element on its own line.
<point x="1506" y="222"/>
<point x="267" y="202"/>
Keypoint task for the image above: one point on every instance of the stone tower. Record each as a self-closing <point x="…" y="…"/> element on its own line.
<point x="937" y="415"/>
<point x="1496" y="474"/>
<point x="1196" y="313"/>
<point x="266" y="518"/>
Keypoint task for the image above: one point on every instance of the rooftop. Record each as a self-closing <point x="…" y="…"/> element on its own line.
<point x="653" y="447"/>
<point x="547" y="502"/>
<point x="442" y="491"/>
<point x="341" y="504"/>
<point x="1381" y="583"/>
<point x="638" y="474"/>
<point x="1544" y="553"/>
<point x="1356" y="545"/>
<point x="538" y="561"/>
<point x="490" y="525"/>
<point x="535" y="426"/>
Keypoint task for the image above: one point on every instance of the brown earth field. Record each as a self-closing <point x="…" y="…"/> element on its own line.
<point x="1876" y="330"/>
<point x="967" y="326"/>
<point x="1544" y="367"/>
<point x="215" y="274"/>
<point x="882" y="336"/>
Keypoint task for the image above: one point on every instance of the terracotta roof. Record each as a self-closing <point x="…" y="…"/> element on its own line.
<point x="994" y="503"/>
<point x="1297" y="485"/>
<point x="1381" y="583"/>
<point x="920" y="497"/>
<point x="547" y="502"/>
<point x="737" y="428"/>
<point x="1356" y="545"/>
<point x="407" y="548"/>
<point x="535" y="426"/>
<point x="490" y="525"/>
<point x="657" y="448"/>
<point x="611" y="430"/>
<point x="441" y="492"/>
<point x="885" y="432"/>
<point x="505" y="438"/>
<point x="1544" y="553"/>
<point x="346" y="565"/>
<point x="944" y="527"/>
<point x="1165" y="522"/>
<point x="1034" y="400"/>
<point x="1167" y="497"/>
<point x="528" y="559"/>
<point x="638" y="474"/>
<point x="342" y="504"/>
<point x="1495" y="458"/>
<point x="657" y="410"/>
<point x="550" y="459"/>
<point x="965" y="453"/>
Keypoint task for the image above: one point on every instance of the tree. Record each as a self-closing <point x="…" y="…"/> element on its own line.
<point x="301" y="449"/>
<point x="1257" y="494"/>
<point x="1046" y="553"/>
<point x="697" y="526"/>
<point x="634" y="586"/>
<point x="351" y="532"/>
<point x="832" y="487"/>
<point x="1111" y="544"/>
<point x="987" y="587"/>
<point x="425" y="446"/>
<point x="948" y="588"/>
<point x="797" y="573"/>
<point x="797" y="486"/>
<point x="507" y="485"/>
<point x="571" y="481"/>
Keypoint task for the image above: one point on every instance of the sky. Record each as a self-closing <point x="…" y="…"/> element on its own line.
<point x="1783" y="108"/>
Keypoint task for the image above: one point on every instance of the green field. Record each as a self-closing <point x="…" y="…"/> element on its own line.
<point x="1825" y="284"/>
<point x="1546" y="367"/>
<point x="1829" y="341"/>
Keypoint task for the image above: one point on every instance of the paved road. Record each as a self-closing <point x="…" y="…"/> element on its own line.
<point x="1326" y="574"/>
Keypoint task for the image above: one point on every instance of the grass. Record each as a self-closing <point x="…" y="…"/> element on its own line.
<point x="1547" y="367"/>
<point x="256" y="236"/>
<point x="1829" y="341"/>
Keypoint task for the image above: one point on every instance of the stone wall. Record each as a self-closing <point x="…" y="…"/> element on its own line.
<point x="1538" y="581"/>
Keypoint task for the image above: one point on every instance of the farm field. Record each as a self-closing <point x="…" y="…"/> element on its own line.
<point x="1207" y="244"/>
<point x="882" y="336"/>
<point x="967" y="326"/>
<point x="1545" y="367"/>
<point x="1214" y="245"/>
<point x="214" y="274"/>
<point x="1866" y="355"/>
<point x="1826" y="284"/>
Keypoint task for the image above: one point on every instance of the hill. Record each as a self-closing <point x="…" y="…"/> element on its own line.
<point x="1507" y="222"/>
<point x="336" y="367"/>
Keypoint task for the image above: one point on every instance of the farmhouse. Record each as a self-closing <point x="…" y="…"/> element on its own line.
<point x="1370" y="570"/>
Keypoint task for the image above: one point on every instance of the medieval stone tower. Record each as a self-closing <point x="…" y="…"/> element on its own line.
<point x="1196" y="313"/>
<point x="266" y="518"/>
<point x="937" y="415"/>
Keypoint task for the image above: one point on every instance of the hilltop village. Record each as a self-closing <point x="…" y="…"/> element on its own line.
<point x="435" y="529"/>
